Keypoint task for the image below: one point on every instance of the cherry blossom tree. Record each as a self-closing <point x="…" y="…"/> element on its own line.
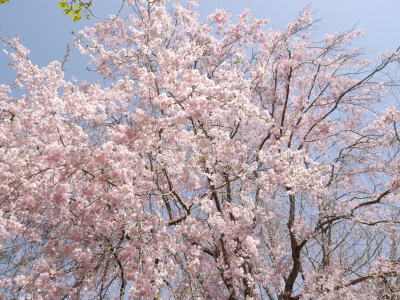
<point x="218" y="160"/>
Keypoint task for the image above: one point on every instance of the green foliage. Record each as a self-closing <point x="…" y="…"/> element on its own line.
<point x="75" y="8"/>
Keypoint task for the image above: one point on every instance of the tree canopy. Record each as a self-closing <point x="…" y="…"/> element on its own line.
<point x="217" y="160"/>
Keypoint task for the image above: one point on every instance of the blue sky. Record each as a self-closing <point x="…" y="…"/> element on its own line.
<point x="43" y="28"/>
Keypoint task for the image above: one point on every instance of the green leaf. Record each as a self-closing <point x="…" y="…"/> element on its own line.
<point x="76" y="17"/>
<point x="63" y="4"/>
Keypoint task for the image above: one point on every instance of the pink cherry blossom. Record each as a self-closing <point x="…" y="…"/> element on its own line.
<point x="215" y="160"/>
